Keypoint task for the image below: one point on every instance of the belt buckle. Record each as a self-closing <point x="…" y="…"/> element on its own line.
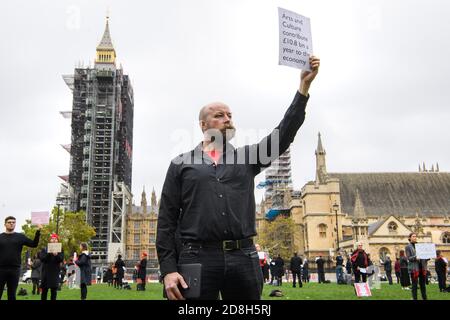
<point x="233" y="245"/>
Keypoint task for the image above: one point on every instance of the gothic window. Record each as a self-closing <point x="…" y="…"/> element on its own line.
<point x="392" y="227"/>
<point x="446" y="237"/>
<point x="383" y="252"/>
<point x="136" y="224"/>
<point x="323" y="230"/>
<point x="137" y="239"/>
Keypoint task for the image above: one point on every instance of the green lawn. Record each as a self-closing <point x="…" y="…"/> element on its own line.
<point x="310" y="291"/>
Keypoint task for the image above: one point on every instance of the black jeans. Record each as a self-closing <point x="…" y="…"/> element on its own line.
<point x="389" y="276"/>
<point x="442" y="280"/>
<point x="53" y="292"/>
<point x="297" y="275"/>
<point x="83" y="288"/>
<point x="235" y="274"/>
<point x="35" y="285"/>
<point x="421" y="279"/>
<point x="10" y="277"/>
<point x="397" y="275"/>
<point x="359" y="275"/>
<point x="321" y="276"/>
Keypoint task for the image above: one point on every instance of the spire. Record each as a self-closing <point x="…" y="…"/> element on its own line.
<point x="320" y="149"/>
<point x="423" y="168"/>
<point x="437" y="167"/>
<point x="321" y="169"/>
<point x="432" y="168"/>
<point x="420" y="169"/>
<point x="153" y="201"/>
<point x="359" y="212"/>
<point x="105" y="49"/>
<point x="106" y="42"/>
<point x="144" y="201"/>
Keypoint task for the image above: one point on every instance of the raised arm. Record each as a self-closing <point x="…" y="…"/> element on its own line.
<point x="278" y="141"/>
<point x="32" y="243"/>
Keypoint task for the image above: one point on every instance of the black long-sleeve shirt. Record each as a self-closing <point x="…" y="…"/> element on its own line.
<point x="215" y="202"/>
<point x="11" y="248"/>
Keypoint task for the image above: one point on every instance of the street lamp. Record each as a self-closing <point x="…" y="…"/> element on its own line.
<point x="58" y="203"/>
<point x="336" y="208"/>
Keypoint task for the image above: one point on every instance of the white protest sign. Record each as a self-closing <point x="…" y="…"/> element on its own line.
<point x="53" y="247"/>
<point x="425" y="250"/>
<point x="362" y="289"/>
<point x="40" y="218"/>
<point x="295" y="40"/>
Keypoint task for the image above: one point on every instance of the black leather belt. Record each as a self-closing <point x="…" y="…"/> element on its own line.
<point x="226" y="245"/>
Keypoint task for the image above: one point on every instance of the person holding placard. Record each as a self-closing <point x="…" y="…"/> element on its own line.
<point x="208" y="200"/>
<point x="360" y="262"/>
<point x="417" y="268"/>
<point x="11" y="244"/>
<point x="51" y="266"/>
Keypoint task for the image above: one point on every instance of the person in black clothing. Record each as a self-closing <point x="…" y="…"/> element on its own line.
<point x="305" y="270"/>
<point x="142" y="272"/>
<point x="387" y="263"/>
<point x="279" y="270"/>
<point x="36" y="274"/>
<point x="441" y="270"/>
<point x="51" y="268"/>
<point x="296" y="269"/>
<point x="405" y="280"/>
<point x="339" y="268"/>
<point x="208" y="198"/>
<point x="348" y="266"/>
<point x="120" y="265"/>
<point x="320" y="269"/>
<point x="84" y="263"/>
<point x="360" y="262"/>
<point x="109" y="276"/>
<point x="272" y="270"/>
<point x="11" y="244"/>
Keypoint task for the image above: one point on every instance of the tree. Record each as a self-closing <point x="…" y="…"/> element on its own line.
<point x="277" y="237"/>
<point x="73" y="230"/>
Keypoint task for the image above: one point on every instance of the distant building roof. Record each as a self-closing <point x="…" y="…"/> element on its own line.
<point x="383" y="194"/>
<point x="374" y="226"/>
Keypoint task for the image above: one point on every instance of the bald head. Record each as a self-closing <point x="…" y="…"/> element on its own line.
<point x="210" y="107"/>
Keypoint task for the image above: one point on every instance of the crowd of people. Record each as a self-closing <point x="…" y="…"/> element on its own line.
<point x="410" y="271"/>
<point x="50" y="270"/>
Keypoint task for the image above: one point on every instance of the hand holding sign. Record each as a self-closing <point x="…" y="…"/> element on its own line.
<point x="308" y="76"/>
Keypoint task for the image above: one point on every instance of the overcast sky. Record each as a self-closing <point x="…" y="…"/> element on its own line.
<point x="381" y="100"/>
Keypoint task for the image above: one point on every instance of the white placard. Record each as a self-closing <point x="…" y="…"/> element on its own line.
<point x="295" y="40"/>
<point x="261" y="255"/>
<point x="363" y="270"/>
<point x="40" y="218"/>
<point x="425" y="250"/>
<point x="54" y="247"/>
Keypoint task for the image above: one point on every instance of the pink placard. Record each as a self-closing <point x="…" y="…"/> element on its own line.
<point x="40" y="217"/>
